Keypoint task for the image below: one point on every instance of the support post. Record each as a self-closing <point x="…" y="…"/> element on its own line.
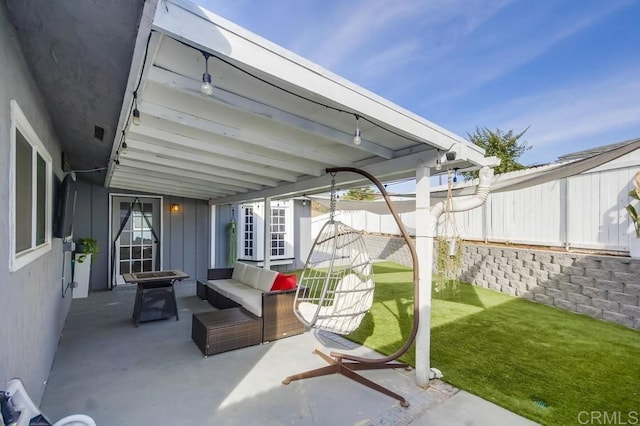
<point x="424" y="248"/>
<point x="266" y="255"/>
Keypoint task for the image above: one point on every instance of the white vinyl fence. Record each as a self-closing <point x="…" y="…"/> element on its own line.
<point x="583" y="211"/>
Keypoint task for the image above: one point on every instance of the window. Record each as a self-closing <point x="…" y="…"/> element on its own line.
<point x="31" y="194"/>
<point x="278" y="232"/>
<point x="280" y="227"/>
<point x="248" y="236"/>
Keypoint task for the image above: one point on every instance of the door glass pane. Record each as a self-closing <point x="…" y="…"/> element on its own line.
<point x="125" y="238"/>
<point x="137" y="266"/>
<point x="147" y="252"/>
<point x="41" y="212"/>
<point x="124" y="268"/>
<point x="23" y="193"/>
<point x="125" y="253"/>
<point x="136" y="252"/>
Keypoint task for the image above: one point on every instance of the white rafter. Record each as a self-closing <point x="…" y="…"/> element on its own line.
<point x="241" y="103"/>
<point x="175" y="140"/>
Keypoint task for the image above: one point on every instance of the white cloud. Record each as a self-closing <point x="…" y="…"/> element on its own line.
<point x="563" y="119"/>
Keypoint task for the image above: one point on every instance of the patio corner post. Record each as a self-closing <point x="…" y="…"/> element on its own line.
<point x="424" y="247"/>
<point x="266" y="253"/>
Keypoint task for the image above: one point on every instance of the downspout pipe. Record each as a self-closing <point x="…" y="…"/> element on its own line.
<point x="461" y="204"/>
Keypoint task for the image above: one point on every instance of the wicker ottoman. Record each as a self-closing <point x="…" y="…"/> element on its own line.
<point x="225" y="330"/>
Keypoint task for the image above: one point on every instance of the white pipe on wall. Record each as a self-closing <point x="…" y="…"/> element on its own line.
<point x="461" y="204"/>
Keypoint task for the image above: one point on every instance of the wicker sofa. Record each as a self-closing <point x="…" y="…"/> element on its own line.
<point x="250" y="287"/>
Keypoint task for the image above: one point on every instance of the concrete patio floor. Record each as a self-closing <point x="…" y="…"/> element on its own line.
<point x="155" y="374"/>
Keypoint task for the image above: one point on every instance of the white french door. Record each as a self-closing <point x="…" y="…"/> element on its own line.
<point x="135" y="234"/>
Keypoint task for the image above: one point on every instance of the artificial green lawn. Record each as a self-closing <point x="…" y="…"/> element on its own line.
<point x="540" y="362"/>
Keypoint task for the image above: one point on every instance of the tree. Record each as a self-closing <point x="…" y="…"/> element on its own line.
<point x="360" y="194"/>
<point x="506" y="146"/>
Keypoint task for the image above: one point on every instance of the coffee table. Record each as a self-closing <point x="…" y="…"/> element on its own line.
<point x="155" y="295"/>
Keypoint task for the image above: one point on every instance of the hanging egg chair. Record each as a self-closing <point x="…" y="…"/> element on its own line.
<point x="336" y="286"/>
<point x="336" y="289"/>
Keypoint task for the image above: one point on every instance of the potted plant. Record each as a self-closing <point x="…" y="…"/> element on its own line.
<point x="86" y="251"/>
<point x="87" y="247"/>
<point x="634" y="240"/>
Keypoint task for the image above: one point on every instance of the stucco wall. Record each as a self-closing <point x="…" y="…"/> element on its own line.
<point x="32" y="310"/>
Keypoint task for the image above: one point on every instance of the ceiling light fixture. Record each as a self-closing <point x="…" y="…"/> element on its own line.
<point x="438" y="162"/>
<point x="357" y="135"/>
<point x="206" y="87"/>
<point x="136" y="111"/>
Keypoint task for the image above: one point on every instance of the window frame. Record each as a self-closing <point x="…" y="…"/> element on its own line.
<point x="243" y="233"/>
<point x="287" y="234"/>
<point x="17" y="260"/>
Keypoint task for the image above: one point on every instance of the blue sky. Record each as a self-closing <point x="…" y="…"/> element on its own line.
<point x="569" y="69"/>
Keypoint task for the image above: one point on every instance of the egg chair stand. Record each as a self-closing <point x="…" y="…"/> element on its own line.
<point x="347" y="364"/>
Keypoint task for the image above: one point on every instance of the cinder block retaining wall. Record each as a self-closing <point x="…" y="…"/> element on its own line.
<point x="604" y="287"/>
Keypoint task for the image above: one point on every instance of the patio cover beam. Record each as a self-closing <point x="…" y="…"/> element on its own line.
<point x="396" y="168"/>
<point x="232" y="184"/>
<point x="239" y="131"/>
<point x="243" y="104"/>
<point x="170" y="139"/>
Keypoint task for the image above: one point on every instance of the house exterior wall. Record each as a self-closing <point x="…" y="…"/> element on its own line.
<point x="32" y="308"/>
<point x="302" y="229"/>
<point x="185" y="235"/>
<point x="301" y="240"/>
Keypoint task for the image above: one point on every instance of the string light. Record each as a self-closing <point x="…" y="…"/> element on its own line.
<point x="206" y="87"/>
<point x="136" y="111"/>
<point x="357" y="135"/>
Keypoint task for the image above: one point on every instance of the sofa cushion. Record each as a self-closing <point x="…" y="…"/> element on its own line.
<point x="284" y="282"/>
<point x="267" y="277"/>
<point x="251" y="300"/>
<point x="251" y="276"/>
<point x="223" y="286"/>
<point x="238" y="271"/>
<point x="249" y="297"/>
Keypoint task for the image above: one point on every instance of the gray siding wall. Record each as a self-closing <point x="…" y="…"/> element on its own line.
<point x="185" y="237"/>
<point x="32" y="309"/>
<point x="302" y="224"/>
<point x="223" y="217"/>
